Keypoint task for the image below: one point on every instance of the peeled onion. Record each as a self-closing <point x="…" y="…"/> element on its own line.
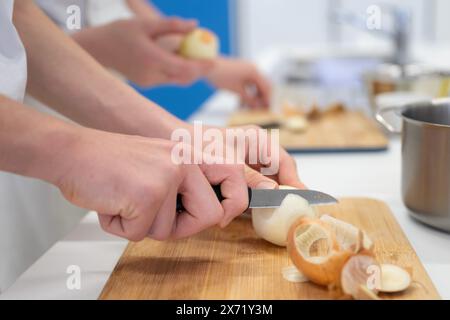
<point x="272" y="224"/>
<point x="314" y="250"/>
<point x="200" y="44"/>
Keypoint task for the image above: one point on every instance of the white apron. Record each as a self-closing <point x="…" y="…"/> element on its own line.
<point x="33" y="214"/>
<point x="13" y="64"/>
<point x="93" y="12"/>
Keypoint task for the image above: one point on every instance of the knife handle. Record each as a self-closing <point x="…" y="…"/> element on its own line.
<point x="220" y="197"/>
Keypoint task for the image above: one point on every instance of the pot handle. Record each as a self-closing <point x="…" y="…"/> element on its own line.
<point x="380" y="116"/>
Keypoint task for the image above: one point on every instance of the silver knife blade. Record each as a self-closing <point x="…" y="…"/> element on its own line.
<point x="272" y="198"/>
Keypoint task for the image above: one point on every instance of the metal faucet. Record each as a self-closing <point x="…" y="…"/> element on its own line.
<point x="399" y="33"/>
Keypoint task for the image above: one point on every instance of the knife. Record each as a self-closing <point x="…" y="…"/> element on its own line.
<point x="272" y="198"/>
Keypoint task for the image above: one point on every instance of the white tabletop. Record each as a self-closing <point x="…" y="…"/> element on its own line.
<point x="375" y="175"/>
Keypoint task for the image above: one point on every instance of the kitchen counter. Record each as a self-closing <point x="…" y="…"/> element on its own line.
<point x="375" y="175"/>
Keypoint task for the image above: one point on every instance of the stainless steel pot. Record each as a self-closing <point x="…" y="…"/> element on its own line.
<point x="425" y="159"/>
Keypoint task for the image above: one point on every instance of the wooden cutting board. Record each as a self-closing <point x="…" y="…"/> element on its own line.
<point x="234" y="263"/>
<point x="346" y="131"/>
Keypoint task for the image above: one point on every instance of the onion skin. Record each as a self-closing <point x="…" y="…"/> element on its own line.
<point x="354" y="276"/>
<point x="345" y="262"/>
<point x="325" y="273"/>
<point x="347" y="234"/>
<point x="364" y="293"/>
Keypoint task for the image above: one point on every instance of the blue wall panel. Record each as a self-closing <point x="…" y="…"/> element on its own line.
<point x="212" y="14"/>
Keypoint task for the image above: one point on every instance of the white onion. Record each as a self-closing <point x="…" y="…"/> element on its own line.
<point x="272" y="224"/>
<point x="200" y="44"/>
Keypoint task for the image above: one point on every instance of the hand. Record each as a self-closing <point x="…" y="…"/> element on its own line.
<point x="269" y="155"/>
<point x="258" y="152"/>
<point x="242" y="78"/>
<point x="133" y="183"/>
<point x="133" y="48"/>
<point x="286" y="175"/>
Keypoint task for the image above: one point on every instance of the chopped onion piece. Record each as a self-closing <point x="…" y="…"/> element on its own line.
<point x="292" y="274"/>
<point x="394" y="278"/>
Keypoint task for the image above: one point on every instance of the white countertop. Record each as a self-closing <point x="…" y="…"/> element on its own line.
<point x="375" y="175"/>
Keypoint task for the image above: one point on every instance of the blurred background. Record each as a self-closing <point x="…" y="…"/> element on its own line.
<point x="252" y="28"/>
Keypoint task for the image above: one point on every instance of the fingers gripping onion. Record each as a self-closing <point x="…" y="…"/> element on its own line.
<point x="200" y="44"/>
<point x="273" y="224"/>
<point x="314" y="250"/>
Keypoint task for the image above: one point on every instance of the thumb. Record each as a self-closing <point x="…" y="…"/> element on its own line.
<point x="169" y="26"/>
<point x="256" y="180"/>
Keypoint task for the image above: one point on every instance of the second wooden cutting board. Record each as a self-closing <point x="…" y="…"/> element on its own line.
<point x="348" y="131"/>
<point x="235" y="264"/>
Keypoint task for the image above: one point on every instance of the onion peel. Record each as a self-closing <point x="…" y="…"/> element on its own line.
<point x="324" y="268"/>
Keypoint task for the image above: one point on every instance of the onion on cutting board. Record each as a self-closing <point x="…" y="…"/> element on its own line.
<point x="327" y="251"/>
<point x="333" y="253"/>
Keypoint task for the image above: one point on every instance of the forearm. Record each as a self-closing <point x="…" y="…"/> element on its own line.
<point x="32" y="144"/>
<point x="66" y="78"/>
<point x="91" y="39"/>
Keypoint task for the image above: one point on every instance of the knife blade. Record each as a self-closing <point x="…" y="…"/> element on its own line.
<point x="272" y="198"/>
